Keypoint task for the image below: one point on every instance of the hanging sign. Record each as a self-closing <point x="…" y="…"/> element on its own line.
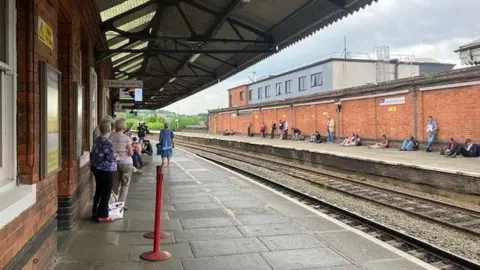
<point x="123" y="84"/>
<point x="45" y="33"/>
<point x="392" y="101"/>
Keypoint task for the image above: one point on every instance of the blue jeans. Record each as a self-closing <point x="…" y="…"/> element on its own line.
<point x="431" y="139"/>
<point x="407" y="145"/>
<point x="330" y="137"/>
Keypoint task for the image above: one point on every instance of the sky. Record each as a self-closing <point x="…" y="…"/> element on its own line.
<point x="423" y="28"/>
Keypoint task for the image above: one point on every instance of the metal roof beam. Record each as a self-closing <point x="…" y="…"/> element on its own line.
<point x="185" y="19"/>
<point x="233" y="21"/>
<point x="148" y="51"/>
<point x="193" y="38"/>
<point x="339" y="3"/>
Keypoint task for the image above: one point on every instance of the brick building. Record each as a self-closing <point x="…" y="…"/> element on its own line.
<point x="47" y="41"/>
<point x="398" y="109"/>
<point x="238" y="96"/>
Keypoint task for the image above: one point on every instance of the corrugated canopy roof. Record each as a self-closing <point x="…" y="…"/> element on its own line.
<point x="179" y="47"/>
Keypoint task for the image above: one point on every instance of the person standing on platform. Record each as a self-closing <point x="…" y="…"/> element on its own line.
<point x="263" y="129"/>
<point x="124" y="149"/>
<point x="104" y="165"/>
<point x="249" y="129"/>
<point x="432" y="130"/>
<point x="166" y="143"/>
<point x="285" y="130"/>
<point x="280" y="129"/>
<point x="274" y="127"/>
<point x="330" y="130"/>
<point x="96" y="131"/>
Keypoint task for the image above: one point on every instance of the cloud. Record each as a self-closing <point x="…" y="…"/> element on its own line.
<point x="424" y="28"/>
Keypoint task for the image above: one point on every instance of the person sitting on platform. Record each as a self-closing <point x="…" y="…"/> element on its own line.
<point x="354" y="141"/>
<point x="148" y="149"/>
<point x="296" y="133"/>
<point x="469" y="149"/>
<point x="349" y="140"/>
<point x="382" y="144"/>
<point x="136" y="157"/>
<point x="451" y="145"/>
<point x="409" y="145"/>
<point x="315" y="137"/>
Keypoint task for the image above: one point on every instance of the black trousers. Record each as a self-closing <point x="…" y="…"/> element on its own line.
<point x="103" y="189"/>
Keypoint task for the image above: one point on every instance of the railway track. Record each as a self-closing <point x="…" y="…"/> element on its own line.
<point x="459" y="218"/>
<point x="431" y="254"/>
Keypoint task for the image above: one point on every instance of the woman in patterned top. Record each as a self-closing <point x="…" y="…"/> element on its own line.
<point x="104" y="165"/>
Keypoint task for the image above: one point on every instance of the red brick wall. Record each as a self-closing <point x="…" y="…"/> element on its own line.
<point x="18" y="232"/>
<point x="358" y="116"/>
<point x="44" y="256"/>
<point x="457" y="112"/>
<point x="304" y="119"/>
<point x="66" y="24"/>
<point x="323" y="111"/>
<point x="257" y="121"/>
<point x="398" y="122"/>
<point x="235" y="101"/>
<point x="269" y="116"/>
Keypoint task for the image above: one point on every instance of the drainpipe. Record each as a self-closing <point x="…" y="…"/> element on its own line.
<point x="397" y="63"/>
<point x="415" y="112"/>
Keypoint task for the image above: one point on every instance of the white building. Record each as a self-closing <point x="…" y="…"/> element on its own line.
<point x="337" y="73"/>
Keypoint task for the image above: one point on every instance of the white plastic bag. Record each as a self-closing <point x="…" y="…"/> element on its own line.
<point x="115" y="210"/>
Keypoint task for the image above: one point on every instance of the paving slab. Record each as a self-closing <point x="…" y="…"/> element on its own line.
<point x="198" y="223"/>
<point x="233" y="246"/>
<point x="400" y="264"/>
<point x="232" y="262"/>
<point x="304" y="258"/>
<point x="197" y="206"/>
<point x="207" y="234"/>
<point x="271" y="229"/>
<point x="289" y="242"/>
<point x="355" y="246"/>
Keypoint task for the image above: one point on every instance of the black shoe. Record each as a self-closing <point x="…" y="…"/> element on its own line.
<point x="428" y="150"/>
<point x="126" y="208"/>
<point x="94" y="218"/>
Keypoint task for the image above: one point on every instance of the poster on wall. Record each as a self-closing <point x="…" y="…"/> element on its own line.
<point x="93" y="104"/>
<point x="50" y="82"/>
<point x="78" y="119"/>
<point x="392" y="101"/>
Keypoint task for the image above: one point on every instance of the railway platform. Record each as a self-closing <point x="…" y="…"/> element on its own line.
<point x="222" y="220"/>
<point x="455" y="177"/>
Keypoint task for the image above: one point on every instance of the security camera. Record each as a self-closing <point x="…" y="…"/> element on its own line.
<point x="338" y="103"/>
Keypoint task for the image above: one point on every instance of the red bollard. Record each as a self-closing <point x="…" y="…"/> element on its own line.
<point x="157" y="254"/>
<point x="163" y="235"/>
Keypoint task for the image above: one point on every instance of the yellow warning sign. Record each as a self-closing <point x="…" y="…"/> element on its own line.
<point x="45" y="33"/>
<point x="392" y="109"/>
<point x="325" y="113"/>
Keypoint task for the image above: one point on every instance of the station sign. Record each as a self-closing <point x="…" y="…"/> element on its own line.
<point x="123" y="84"/>
<point x="392" y="101"/>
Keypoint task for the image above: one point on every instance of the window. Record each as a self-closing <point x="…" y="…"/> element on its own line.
<point x="301" y="84"/>
<point x="241" y="96"/>
<point x="260" y="92"/>
<point x="278" y="87"/>
<point x="250" y="94"/>
<point x="288" y="87"/>
<point x="267" y="91"/>
<point x="3" y="32"/>
<point x="316" y="79"/>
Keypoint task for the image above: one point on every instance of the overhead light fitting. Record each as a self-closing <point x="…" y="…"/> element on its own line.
<point x="172" y="79"/>
<point x="161" y="89"/>
<point x="193" y="58"/>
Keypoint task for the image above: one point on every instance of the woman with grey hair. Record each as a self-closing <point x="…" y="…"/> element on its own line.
<point x="96" y="132"/>
<point x="166" y="144"/>
<point x="104" y="165"/>
<point x="124" y="150"/>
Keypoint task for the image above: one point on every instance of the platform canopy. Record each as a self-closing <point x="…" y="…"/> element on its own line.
<point x="180" y="47"/>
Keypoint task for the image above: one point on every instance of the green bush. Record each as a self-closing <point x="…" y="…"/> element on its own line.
<point x="132" y="123"/>
<point x="155" y="125"/>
